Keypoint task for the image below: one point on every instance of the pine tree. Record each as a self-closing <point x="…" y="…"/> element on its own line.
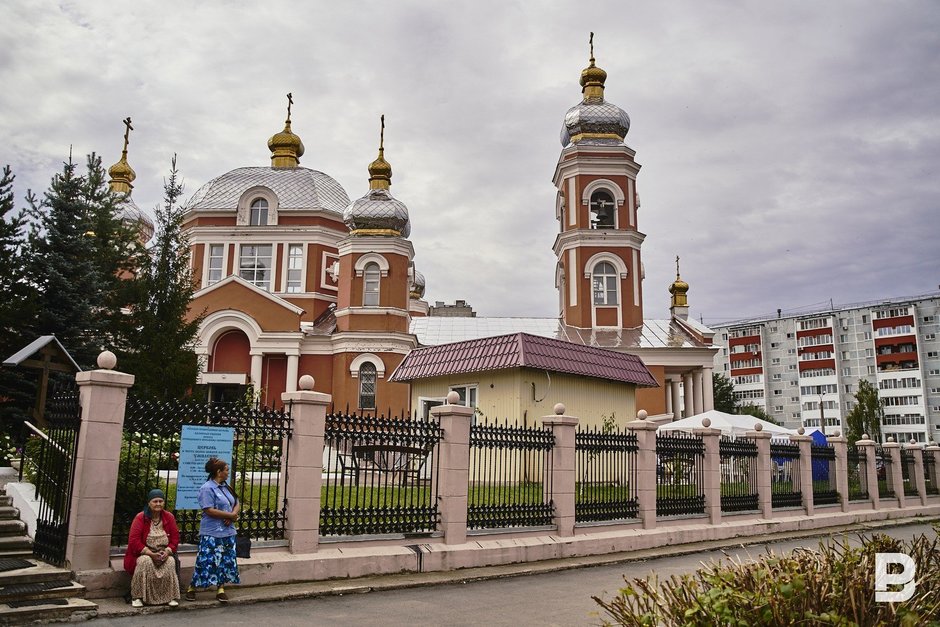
<point x="867" y="415"/>
<point x="161" y="335"/>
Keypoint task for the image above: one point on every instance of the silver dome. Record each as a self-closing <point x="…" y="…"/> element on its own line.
<point x="418" y="285"/>
<point x="378" y="210"/>
<point x="295" y="188"/>
<point x="595" y="116"/>
<point x="132" y="214"/>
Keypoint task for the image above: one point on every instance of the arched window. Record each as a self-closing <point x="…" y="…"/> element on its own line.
<point x="367" y="379"/>
<point x="602" y="210"/>
<point x="605" y="280"/>
<point x="370" y="290"/>
<point x="258" y="215"/>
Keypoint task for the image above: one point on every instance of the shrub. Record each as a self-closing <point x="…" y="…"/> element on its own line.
<point x="833" y="585"/>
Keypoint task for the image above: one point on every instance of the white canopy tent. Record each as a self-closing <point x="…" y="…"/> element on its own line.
<point x="728" y="424"/>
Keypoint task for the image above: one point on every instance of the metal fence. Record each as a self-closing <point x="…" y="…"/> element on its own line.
<point x="907" y="472"/>
<point x="738" y="474"/>
<point x="785" y="488"/>
<point x="380" y="476"/>
<point x="858" y="474"/>
<point x="885" y="473"/>
<point x="509" y="482"/>
<point x="930" y="473"/>
<point x="680" y="474"/>
<point x="824" y="474"/>
<point x="150" y="459"/>
<point x="605" y="475"/>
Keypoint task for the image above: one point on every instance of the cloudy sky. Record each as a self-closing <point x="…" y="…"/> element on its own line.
<point x="790" y="151"/>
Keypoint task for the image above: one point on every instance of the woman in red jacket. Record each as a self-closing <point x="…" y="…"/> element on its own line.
<point x="151" y="555"/>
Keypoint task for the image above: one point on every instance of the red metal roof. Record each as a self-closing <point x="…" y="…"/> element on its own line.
<point x="523" y="350"/>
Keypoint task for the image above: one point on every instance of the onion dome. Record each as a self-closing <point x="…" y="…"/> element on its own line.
<point x="679" y="290"/>
<point x="418" y="285"/>
<point x="122" y="174"/>
<point x="594" y="120"/>
<point x="286" y="147"/>
<point x="378" y="212"/>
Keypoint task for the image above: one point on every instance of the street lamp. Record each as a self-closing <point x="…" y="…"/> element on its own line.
<point x="822" y="416"/>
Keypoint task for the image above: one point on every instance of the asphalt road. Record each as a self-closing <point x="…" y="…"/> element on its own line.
<point x="555" y="598"/>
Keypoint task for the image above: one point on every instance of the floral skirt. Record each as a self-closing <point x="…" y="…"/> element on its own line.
<point x="215" y="563"/>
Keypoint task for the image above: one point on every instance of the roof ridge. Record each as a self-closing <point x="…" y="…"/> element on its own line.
<point x="520" y="341"/>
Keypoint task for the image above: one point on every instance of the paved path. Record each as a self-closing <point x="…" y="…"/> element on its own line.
<point x="553" y="598"/>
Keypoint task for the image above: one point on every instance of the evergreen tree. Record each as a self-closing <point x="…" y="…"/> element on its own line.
<point x="724" y="394"/>
<point x="867" y="415"/>
<point x="161" y="335"/>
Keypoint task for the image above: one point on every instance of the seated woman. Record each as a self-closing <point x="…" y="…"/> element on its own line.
<point x="150" y="557"/>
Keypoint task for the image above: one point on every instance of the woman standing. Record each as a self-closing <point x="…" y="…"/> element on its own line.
<point x="150" y="557"/>
<point x="215" y="562"/>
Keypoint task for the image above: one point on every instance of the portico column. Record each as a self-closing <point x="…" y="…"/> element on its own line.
<point x="256" y="359"/>
<point x="676" y="400"/>
<point x="669" y="392"/>
<point x="293" y="361"/>
<point x="688" y="404"/>
<point x="698" y="399"/>
<point x="708" y="389"/>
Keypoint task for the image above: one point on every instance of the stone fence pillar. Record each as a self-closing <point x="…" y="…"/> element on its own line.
<point x="805" y="443"/>
<point x="933" y="449"/>
<point x="305" y="466"/>
<point x="712" y="470"/>
<point x="918" y="477"/>
<point x="867" y="448"/>
<point x="765" y="470"/>
<point x="562" y="470"/>
<point x="645" y="468"/>
<point x="893" y="469"/>
<point x="840" y="446"/>
<point x="454" y="451"/>
<point x="103" y="397"/>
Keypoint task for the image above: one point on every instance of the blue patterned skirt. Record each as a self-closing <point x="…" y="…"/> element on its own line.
<point x="215" y="563"/>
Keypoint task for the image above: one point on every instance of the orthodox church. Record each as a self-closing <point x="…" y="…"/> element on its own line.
<point x="294" y="278"/>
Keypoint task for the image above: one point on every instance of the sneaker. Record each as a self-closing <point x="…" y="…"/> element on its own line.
<point x="221" y="597"/>
<point x="173" y="603"/>
<point x="190" y="595"/>
<point x="137" y="603"/>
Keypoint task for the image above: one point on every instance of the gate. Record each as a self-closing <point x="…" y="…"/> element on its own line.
<point x="49" y="458"/>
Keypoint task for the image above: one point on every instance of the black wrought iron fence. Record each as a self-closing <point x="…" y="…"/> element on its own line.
<point x="150" y="459"/>
<point x="824" y="474"/>
<point x="738" y="474"/>
<point x="380" y="476"/>
<point x="510" y="482"/>
<point x="858" y="474"/>
<point x="907" y="472"/>
<point x="930" y="473"/>
<point x="605" y="475"/>
<point x="785" y="488"/>
<point x="48" y="461"/>
<point x="680" y="474"/>
<point x="885" y="471"/>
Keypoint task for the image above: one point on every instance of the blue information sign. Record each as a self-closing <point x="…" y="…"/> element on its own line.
<point x="197" y="445"/>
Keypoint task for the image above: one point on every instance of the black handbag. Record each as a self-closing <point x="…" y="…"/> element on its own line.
<point x="242" y="547"/>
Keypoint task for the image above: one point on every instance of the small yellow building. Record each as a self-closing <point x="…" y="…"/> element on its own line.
<point x="520" y="377"/>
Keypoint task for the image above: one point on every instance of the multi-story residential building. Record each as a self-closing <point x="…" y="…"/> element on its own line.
<point x="804" y="369"/>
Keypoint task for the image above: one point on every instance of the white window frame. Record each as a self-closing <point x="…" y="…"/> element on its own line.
<point x="270" y="257"/>
<point x="371" y="285"/>
<point x="301" y="259"/>
<point x="368" y="369"/>
<point x="209" y="269"/>
<point x="255" y="205"/>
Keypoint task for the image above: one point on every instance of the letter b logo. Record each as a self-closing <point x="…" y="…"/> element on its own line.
<point x="883" y="578"/>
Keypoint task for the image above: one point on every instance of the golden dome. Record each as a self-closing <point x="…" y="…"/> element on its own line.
<point x="286" y="147"/>
<point x="380" y="170"/>
<point x="593" y="77"/>
<point x="122" y="174"/>
<point x="679" y="290"/>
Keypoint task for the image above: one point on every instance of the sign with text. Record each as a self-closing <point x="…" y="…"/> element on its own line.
<point x="197" y="444"/>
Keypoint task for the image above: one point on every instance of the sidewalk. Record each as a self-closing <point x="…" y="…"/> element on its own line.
<point x="238" y="595"/>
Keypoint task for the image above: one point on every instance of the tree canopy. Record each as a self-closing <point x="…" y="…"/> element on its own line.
<point x="867" y="415"/>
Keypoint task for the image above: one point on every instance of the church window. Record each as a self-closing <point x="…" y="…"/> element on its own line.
<point x="216" y="252"/>
<point x="258" y="214"/>
<point x="254" y="264"/>
<point x="370" y="293"/>
<point x="295" y="268"/>
<point x="367" y="380"/>
<point x="605" y="280"/>
<point x="602" y="210"/>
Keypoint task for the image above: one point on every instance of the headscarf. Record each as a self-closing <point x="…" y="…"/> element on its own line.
<point x="153" y="494"/>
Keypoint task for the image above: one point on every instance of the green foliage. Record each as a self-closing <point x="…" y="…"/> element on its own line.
<point x="831" y="586"/>
<point x="867" y="415"/>
<point x="724" y="394"/>
<point x="758" y="412"/>
<point x="8" y="449"/>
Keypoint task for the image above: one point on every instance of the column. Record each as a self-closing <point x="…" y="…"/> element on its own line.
<point x="918" y="477"/>
<point x="256" y="361"/>
<point x="764" y="471"/>
<point x="805" y="443"/>
<point x="699" y="397"/>
<point x="708" y="389"/>
<point x="711" y="471"/>
<point x="893" y="469"/>
<point x="645" y="468"/>
<point x="676" y="399"/>
<point x="933" y="449"/>
<point x="454" y="481"/>
<point x="305" y="466"/>
<point x="669" y="393"/>
<point x="841" y="448"/>
<point x="867" y="447"/>
<point x="562" y="469"/>
<point x="103" y="396"/>
<point x="688" y="404"/>
<point x="293" y="362"/>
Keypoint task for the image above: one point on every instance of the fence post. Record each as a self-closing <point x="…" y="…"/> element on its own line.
<point x="562" y="469"/>
<point x="305" y="465"/>
<point x="454" y="467"/>
<point x="934" y="449"/>
<point x="764" y="470"/>
<point x="893" y="469"/>
<point x="103" y="397"/>
<point x="711" y="473"/>
<point x="840" y="446"/>
<point x="867" y="447"/>
<point x="645" y="468"/>
<point x="918" y="477"/>
<point x="805" y="443"/>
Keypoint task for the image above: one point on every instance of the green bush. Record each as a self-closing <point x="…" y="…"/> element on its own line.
<point x="833" y="585"/>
